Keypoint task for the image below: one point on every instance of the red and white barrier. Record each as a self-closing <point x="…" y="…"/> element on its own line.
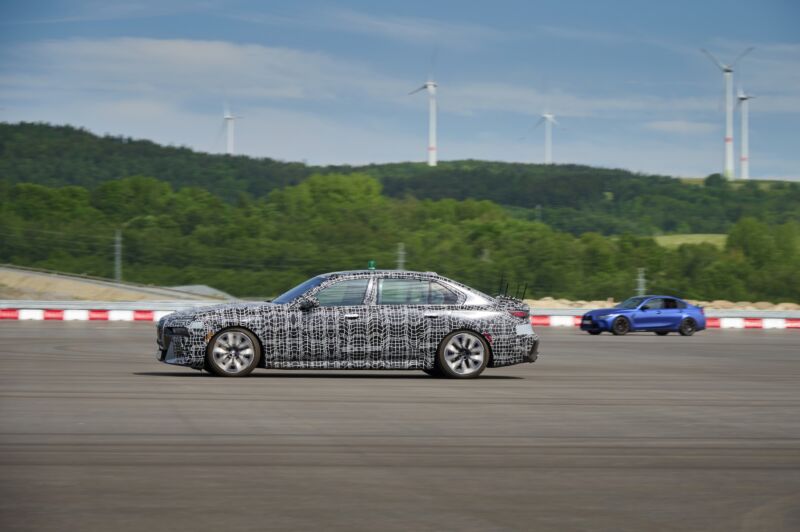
<point x="537" y="320"/>
<point x="36" y="314"/>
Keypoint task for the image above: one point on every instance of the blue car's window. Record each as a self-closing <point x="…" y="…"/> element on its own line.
<point x="654" y="304"/>
<point x="343" y="294"/>
<point x="299" y="290"/>
<point x="670" y="303"/>
<point x="414" y="292"/>
<point x="632" y="302"/>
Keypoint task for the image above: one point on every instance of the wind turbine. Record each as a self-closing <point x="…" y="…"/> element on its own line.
<point x="228" y="121"/>
<point x="727" y="73"/>
<point x="549" y="120"/>
<point x="744" y="159"/>
<point x="430" y="86"/>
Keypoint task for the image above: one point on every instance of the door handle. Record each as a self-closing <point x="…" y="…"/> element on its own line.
<point x="351" y="316"/>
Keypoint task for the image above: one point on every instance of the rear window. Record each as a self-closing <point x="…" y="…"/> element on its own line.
<point x="414" y="292"/>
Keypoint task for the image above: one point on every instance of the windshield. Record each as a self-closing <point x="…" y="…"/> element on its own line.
<point x="299" y="290"/>
<point x="631" y="302"/>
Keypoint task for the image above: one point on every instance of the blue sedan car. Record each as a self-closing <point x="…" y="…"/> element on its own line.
<point x="659" y="314"/>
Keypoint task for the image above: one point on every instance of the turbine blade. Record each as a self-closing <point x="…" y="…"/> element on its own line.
<point x="417" y="90"/>
<point x="539" y="122"/>
<point x="713" y="59"/>
<point x="741" y="55"/>
<point x="553" y="120"/>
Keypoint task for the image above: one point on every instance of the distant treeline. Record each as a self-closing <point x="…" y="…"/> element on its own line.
<point x="570" y="198"/>
<point x="260" y="246"/>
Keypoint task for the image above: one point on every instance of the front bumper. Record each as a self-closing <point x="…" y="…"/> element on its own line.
<point x="186" y="349"/>
<point x="591" y="324"/>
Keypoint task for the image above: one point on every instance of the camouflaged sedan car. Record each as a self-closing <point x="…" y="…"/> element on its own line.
<point x="366" y="319"/>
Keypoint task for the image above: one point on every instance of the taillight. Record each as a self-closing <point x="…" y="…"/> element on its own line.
<point x="519" y="314"/>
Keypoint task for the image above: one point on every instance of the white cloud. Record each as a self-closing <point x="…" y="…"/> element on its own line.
<point x="414" y="30"/>
<point x="682" y="127"/>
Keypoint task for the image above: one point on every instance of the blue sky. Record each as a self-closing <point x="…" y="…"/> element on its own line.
<point x="328" y="82"/>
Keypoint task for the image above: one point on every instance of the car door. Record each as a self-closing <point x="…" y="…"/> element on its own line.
<point x="649" y="315"/>
<point x="335" y="333"/>
<point x="413" y="315"/>
<point x="671" y="313"/>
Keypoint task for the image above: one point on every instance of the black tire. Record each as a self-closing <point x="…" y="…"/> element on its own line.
<point x="688" y="327"/>
<point x="621" y="326"/>
<point x="460" y="349"/>
<point x="662" y="333"/>
<point x="594" y="333"/>
<point x="214" y="361"/>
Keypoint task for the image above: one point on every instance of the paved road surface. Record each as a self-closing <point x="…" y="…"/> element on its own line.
<point x="630" y="434"/>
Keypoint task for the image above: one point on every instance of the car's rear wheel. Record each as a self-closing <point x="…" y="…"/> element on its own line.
<point x="688" y="327"/>
<point x="462" y="355"/>
<point x="621" y="326"/>
<point x="233" y="353"/>
<point x="662" y="333"/>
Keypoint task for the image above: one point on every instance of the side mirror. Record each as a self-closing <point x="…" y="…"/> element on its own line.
<point x="307" y="303"/>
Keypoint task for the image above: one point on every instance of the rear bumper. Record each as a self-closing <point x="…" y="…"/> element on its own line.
<point x="533" y="354"/>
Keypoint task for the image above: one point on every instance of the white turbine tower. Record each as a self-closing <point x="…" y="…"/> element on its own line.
<point x="727" y="73"/>
<point x="549" y="120"/>
<point x="430" y="86"/>
<point x="744" y="108"/>
<point x="228" y="121"/>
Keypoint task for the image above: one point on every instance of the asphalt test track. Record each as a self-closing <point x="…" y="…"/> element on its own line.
<point x="631" y="433"/>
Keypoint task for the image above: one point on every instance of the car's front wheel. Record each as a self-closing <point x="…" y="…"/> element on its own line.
<point x="462" y="355"/>
<point x="621" y="326"/>
<point x="688" y="327"/>
<point x="233" y="353"/>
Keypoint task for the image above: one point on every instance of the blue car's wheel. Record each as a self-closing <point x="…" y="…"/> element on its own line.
<point x="688" y="327"/>
<point x="621" y="326"/>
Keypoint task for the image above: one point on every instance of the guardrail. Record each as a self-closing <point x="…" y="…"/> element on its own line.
<point x="149" y="311"/>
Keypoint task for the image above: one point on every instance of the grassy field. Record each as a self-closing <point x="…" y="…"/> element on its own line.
<point x="673" y="241"/>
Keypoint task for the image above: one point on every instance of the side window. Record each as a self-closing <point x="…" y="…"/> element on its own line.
<point x="654" y="304"/>
<point x="343" y="294"/>
<point x="670" y="303"/>
<point x="414" y="292"/>
<point x="441" y="295"/>
<point x="679" y="303"/>
<point x="402" y="292"/>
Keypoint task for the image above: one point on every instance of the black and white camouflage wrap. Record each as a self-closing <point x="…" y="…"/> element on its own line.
<point x="366" y="336"/>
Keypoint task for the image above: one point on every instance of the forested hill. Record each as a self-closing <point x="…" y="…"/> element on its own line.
<point x="571" y="198"/>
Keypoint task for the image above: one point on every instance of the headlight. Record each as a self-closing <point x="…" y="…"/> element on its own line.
<point x="604" y="316"/>
<point x="197" y="325"/>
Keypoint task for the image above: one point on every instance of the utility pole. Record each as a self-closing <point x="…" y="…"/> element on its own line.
<point x="641" y="282"/>
<point x="118" y="255"/>
<point x="401" y="256"/>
